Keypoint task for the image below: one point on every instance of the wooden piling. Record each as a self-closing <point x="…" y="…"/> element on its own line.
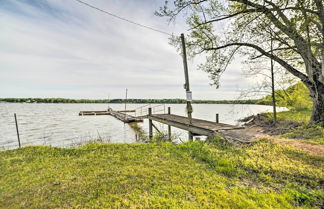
<point x="150" y="124"/>
<point x="126" y="103"/>
<point x="169" y="127"/>
<point x="190" y="136"/>
<point x="217" y="118"/>
<point x="17" y="130"/>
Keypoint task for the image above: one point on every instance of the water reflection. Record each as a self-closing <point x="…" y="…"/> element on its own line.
<point x="140" y="134"/>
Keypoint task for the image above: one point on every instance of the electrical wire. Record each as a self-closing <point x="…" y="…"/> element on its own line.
<point x="122" y="18"/>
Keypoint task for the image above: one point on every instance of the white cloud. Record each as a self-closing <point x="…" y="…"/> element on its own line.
<point x="68" y="50"/>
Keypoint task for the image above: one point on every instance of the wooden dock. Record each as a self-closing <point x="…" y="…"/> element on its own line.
<point x="87" y="113"/>
<point x="125" y="117"/>
<point x="120" y="115"/>
<point x="197" y="127"/>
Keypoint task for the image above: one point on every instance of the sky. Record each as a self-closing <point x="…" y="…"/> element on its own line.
<point x="63" y="49"/>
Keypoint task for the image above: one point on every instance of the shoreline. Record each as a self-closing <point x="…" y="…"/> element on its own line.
<point x="128" y="101"/>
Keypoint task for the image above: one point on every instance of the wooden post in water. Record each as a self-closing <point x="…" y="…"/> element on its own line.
<point x="217" y="118"/>
<point x="169" y="127"/>
<point x="150" y="124"/>
<point x="187" y="86"/>
<point x="17" y="131"/>
<point x="126" y="102"/>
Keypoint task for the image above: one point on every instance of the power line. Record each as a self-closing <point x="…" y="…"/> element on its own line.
<point x="122" y="18"/>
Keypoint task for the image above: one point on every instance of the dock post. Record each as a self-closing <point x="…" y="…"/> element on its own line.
<point x="217" y="118"/>
<point x="150" y="124"/>
<point x="17" y="131"/>
<point x="169" y="127"/>
<point x="190" y="136"/>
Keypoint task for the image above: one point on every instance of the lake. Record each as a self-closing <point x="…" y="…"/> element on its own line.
<point x="60" y="125"/>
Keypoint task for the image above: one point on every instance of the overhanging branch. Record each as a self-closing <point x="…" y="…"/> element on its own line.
<point x="283" y="63"/>
<point x="277" y="49"/>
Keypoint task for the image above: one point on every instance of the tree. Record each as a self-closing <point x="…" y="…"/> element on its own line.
<point x="223" y="28"/>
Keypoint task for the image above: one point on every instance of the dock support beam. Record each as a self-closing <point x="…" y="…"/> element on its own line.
<point x="169" y="127"/>
<point x="150" y="124"/>
<point x="156" y="128"/>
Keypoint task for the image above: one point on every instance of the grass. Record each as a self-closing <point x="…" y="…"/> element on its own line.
<point x="295" y="122"/>
<point x="310" y="133"/>
<point x="297" y="115"/>
<point x="161" y="175"/>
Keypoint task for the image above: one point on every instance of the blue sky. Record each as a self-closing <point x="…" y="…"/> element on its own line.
<point x="60" y="48"/>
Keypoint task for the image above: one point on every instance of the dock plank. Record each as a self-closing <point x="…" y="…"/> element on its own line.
<point x="198" y="126"/>
<point x="88" y="113"/>
<point x="120" y="115"/>
<point x="125" y="117"/>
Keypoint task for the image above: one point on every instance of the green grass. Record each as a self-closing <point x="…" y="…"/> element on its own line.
<point x="161" y="175"/>
<point x="298" y="115"/>
<point x="297" y="99"/>
<point x="310" y="133"/>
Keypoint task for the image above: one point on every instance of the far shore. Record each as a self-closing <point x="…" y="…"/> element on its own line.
<point x="129" y="101"/>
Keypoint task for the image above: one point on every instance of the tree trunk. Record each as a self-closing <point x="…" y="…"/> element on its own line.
<point x="317" y="93"/>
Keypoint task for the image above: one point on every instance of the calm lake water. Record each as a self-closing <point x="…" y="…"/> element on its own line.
<point x="60" y="125"/>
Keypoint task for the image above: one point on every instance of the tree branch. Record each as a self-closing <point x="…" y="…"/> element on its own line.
<point x="277" y="49"/>
<point x="300" y="42"/>
<point x="174" y="14"/>
<point x="284" y="64"/>
<point x="224" y="17"/>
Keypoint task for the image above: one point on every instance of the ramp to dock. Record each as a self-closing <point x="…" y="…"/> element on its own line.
<point x="125" y="117"/>
<point x="198" y="126"/>
<point x="87" y="113"/>
<point x="120" y="115"/>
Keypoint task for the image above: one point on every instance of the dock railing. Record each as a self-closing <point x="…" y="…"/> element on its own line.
<point x="156" y="109"/>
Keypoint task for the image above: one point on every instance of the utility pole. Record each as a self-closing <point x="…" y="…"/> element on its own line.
<point x="272" y="84"/>
<point x="187" y="85"/>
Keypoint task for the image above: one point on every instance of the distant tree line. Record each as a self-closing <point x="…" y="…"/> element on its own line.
<point x="52" y="100"/>
<point x="134" y="101"/>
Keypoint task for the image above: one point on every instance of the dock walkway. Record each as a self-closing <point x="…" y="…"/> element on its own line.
<point x="197" y="127"/>
<point x="120" y="115"/>
<point x="87" y="113"/>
